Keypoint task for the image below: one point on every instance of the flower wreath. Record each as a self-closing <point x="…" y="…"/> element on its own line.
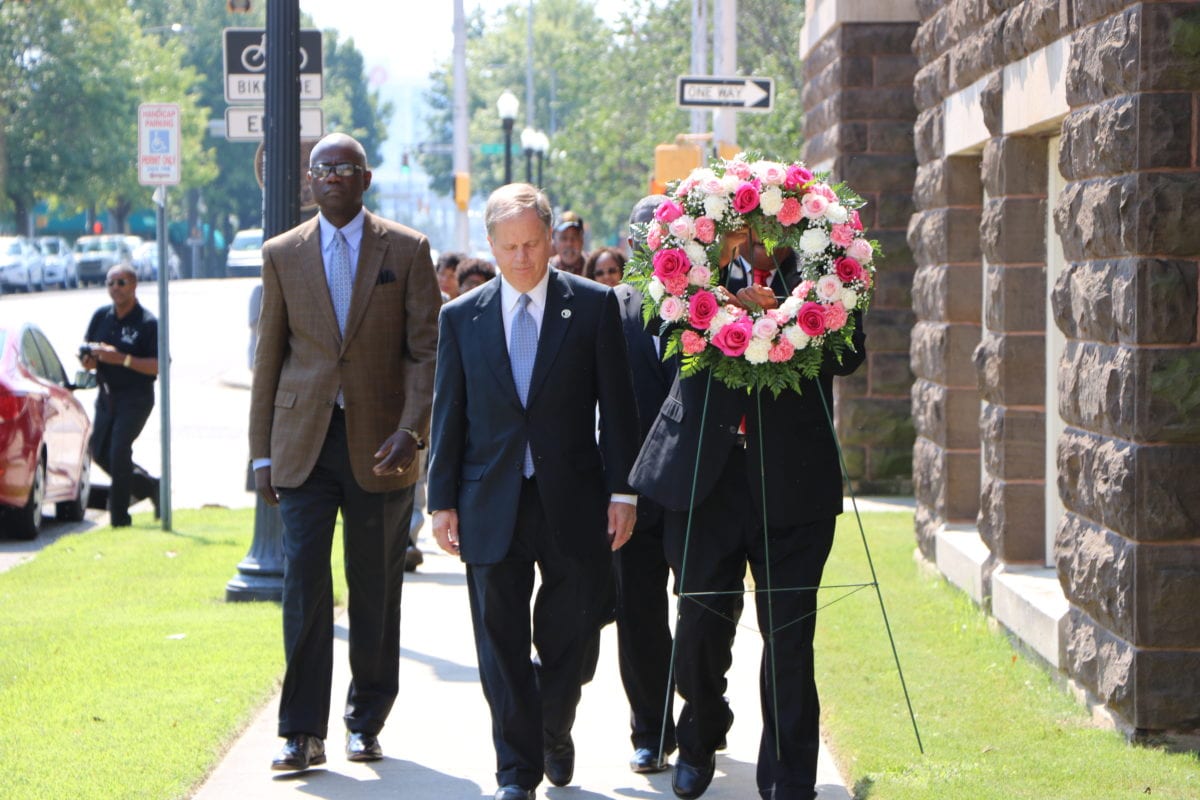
<point x="785" y="205"/>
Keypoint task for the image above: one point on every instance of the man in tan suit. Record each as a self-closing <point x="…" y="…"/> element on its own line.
<point x="339" y="407"/>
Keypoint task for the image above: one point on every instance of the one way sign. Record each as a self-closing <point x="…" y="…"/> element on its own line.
<point x="739" y="94"/>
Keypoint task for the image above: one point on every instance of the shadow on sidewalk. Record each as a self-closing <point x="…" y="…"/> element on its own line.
<point x="392" y="776"/>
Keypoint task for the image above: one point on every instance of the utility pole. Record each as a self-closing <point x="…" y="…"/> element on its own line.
<point x="699" y="57"/>
<point x="462" y="230"/>
<point x="725" y="65"/>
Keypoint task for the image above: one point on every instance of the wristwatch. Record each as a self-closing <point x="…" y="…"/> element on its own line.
<point x="414" y="435"/>
<point x="128" y="360"/>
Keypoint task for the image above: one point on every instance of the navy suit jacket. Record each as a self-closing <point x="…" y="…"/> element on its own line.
<point x="696" y="433"/>
<point x="479" y="429"/>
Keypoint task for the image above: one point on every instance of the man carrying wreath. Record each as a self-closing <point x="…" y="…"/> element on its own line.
<point x="748" y="478"/>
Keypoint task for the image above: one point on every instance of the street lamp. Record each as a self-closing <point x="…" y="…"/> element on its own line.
<point x="507" y="105"/>
<point x="541" y="145"/>
<point x="529" y="145"/>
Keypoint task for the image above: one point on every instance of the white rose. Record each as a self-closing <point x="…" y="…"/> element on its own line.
<point x="758" y="351"/>
<point x="836" y="213"/>
<point x="797" y="337"/>
<point x="771" y="200"/>
<point x="695" y="253"/>
<point x="814" y="240"/>
<point x="656" y="289"/>
<point x="715" y="206"/>
<point x="849" y="298"/>
<point x="829" y="288"/>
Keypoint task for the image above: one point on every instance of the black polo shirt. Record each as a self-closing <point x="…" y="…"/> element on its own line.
<point x="136" y="334"/>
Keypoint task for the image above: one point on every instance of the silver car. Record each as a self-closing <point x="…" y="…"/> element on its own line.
<point x="20" y="264"/>
<point x="96" y="255"/>
<point x="58" y="263"/>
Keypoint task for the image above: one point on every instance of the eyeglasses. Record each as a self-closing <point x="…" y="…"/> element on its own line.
<point x="343" y="170"/>
<point x="116" y="282"/>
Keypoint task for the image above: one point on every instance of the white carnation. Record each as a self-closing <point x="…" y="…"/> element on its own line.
<point x="771" y="200"/>
<point x="695" y="253"/>
<point x="656" y="289"/>
<point x="791" y="306"/>
<point x="758" y="351"/>
<point x="836" y="213"/>
<point x="814" y="240"/>
<point x="715" y="206"/>
<point x="720" y="320"/>
<point x="797" y="337"/>
<point x="849" y="298"/>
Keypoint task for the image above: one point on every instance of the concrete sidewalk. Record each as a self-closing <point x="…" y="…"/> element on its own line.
<point x="437" y="743"/>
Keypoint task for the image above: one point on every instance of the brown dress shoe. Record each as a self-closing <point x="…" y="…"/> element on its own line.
<point x="300" y="751"/>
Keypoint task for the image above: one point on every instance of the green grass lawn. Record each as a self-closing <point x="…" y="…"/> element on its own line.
<point x="123" y="671"/>
<point x="994" y="724"/>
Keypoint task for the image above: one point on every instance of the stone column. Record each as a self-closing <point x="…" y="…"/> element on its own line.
<point x="859" y="115"/>
<point x="1128" y="547"/>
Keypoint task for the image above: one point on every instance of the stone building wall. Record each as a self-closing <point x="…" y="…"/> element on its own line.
<point x="859" y="127"/>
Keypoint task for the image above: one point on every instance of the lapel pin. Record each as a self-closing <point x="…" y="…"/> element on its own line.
<point x="566" y="313"/>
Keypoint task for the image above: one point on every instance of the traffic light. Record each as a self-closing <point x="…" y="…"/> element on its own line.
<point x="673" y="162"/>
<point x="462" y="189"/>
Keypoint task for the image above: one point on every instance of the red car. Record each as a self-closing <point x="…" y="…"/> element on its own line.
<point x="44" y="433"/>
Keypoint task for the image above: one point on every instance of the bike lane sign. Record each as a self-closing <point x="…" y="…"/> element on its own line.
<point x="246" y="65"/>
<point x="158" y="144"/>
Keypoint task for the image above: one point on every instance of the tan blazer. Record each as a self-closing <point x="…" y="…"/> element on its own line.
<point x="384" y="365"/>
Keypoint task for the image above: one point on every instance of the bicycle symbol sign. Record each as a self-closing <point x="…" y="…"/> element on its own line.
<point x="246" y="64"/>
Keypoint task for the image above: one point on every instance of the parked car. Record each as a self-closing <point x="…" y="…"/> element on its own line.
<point x="20" y="264"/>
<point x="58" y="262"/>
<point x="96" y="255"/>
<point x="44" y="433"/>
<point x="145" y="262"/>
<point x="245" y="254"/>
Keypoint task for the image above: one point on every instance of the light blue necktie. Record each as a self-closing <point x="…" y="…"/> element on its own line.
<point x="341" y="285"/>
<point x="522" y="350"/>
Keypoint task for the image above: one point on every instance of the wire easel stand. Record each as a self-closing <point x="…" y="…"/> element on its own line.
<point x="770" y="590"/>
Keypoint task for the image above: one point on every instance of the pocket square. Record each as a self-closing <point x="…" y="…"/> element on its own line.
<point x="386" y="276"/>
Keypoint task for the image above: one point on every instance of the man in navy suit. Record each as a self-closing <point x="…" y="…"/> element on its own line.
<point x="701" y="461"/>
<point x="516" y="478"/>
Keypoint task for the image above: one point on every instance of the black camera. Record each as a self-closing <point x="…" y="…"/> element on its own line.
<point x="85" y="350"/>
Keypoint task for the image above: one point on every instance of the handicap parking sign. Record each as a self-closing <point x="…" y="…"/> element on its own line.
<point x="160" y="141"/>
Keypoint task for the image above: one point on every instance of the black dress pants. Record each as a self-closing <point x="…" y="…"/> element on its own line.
<point x="119" y="419"/>
<point x="374" y="536"/>
<point x="533" y="704"/>
<point x="726" y="534"/>
<point x="644" y="638"/>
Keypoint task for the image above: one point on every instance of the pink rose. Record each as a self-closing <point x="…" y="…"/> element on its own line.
<point x="668" y="211"/>
<point x="855" y="220"/>
<point x="712" y="185"/>
<point x="814" y="205"/>
<point x="829" y="287"/>
<point x="745" y="199"/>
<point x="771" y="173"/>
<point x="802" y="290"/>
<point x="734" y="338"/>
<point x="781" y="352"/>
<point x="797" y="176"/>
<point x="685" y="186"/>
<point x="841" y="235"/>
<point x="739" y="169"/>
<point x="671" y="309"/>
<point x="676" y="284"/>
<point x="706" y="230"/>
<point x="860" y="250"/>
<point x="699" y="276"/>
<point x="671" y="263"/>
<point x="702" y="308"/>
<point x="765" y="328"/>
<point x="693" y="343"/>
<point x="654" y="237"/>
<point x="681" y="227"/>
<point x="780" y="316"/>
<point x="811" y="319"/>
<point x="847" y="269"/>
<point x="790" y="212"/>
<point x="836" y="316"/>
<point x="824" y="190"/>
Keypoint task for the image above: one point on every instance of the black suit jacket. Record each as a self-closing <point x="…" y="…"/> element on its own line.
<point x="480" y="429"/>
<point x="696" y="432"/>
<point x="652" y="378"/>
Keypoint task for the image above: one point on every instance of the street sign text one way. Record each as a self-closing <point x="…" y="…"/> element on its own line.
<point x="739" y="94"/>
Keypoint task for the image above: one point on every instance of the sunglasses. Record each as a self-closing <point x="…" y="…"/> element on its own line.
<point x="116" y="282"/>
<point x="343" y="170"/>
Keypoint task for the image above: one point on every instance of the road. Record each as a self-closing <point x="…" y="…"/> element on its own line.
<point x="209" y="400"/>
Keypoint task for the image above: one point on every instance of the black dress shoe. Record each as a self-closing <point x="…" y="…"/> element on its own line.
<point x="300" y="751"/>
<point x="645" y="760"/>
<point x="559" y="762"/>
<point x="363" y="747"/>
<point x="513" y="792"/>
<point x="413" y="558"/>
<point x="689" y="781"/>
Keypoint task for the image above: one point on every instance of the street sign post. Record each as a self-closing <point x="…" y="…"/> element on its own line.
<point x="248" y="123"/>
<point x="158" y="144"/>
<point x="738" y="94"/>
<point x="246" y="65"/>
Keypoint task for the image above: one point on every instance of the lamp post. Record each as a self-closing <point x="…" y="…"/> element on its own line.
<point x="529" y="145"/>
<point x="508" y="105"/>
<point x="541" y="145"/>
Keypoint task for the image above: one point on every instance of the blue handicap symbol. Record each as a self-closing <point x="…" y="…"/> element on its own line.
<point x="160" y="141"/>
